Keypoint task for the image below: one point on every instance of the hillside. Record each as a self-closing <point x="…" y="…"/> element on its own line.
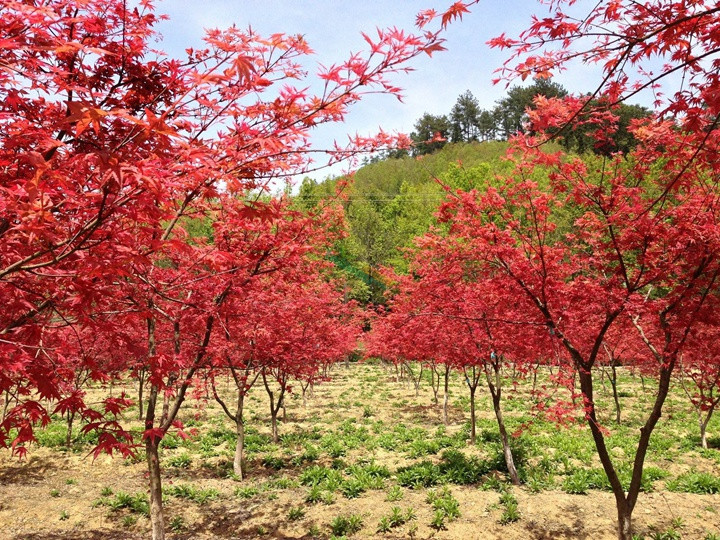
<point x="389" y="202"/>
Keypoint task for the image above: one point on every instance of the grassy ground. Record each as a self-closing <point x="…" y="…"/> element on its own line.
<point x="369" y="459"/>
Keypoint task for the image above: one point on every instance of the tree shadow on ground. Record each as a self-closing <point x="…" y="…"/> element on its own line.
<point x="82" y="535"/>
<point x="26" y="472"/>
<point x="554" y="530"/>
<point x="231" y="521"/>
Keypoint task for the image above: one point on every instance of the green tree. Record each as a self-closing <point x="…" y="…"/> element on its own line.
<point x="510" y="110"/>
<point x="580" y="137"/>
<point x="426" y="129"/>
<point x="465" y="118"/>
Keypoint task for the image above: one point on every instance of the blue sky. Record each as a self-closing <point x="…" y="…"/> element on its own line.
<point x="332" y="28"/>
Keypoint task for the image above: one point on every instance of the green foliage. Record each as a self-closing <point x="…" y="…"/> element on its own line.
<point x="454" y="468"/>
<point x="177" y="524"/>
<point x="246" y="492"/>
<point x="391" y="202"/>
<point x="346" y="524"/>
<point x="314" y="495"/>
<point x="187" y="491"/>
<point x="274" y="462"/>
<point x="181" y="461"/>
<point x="510" y="512"/>
<point x="695" y="482"/>
<point x="426" y="128"/>
<point x="445" y="505"/>
<point x="137" y="503"/>
<point x="419" y="475"/>
<point x="296" y="513"/>
<point x="510" y="110"/>
<point x="395" y="493"/>
<point x="397" y="518"/>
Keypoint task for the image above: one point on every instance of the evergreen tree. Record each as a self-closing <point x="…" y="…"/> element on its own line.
<point x="510" y="111"/>
<point x="465" y="118"/>
<point x="427" y="129"/>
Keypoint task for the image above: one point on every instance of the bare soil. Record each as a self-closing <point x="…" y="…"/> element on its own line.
<point x="53" y="494"/>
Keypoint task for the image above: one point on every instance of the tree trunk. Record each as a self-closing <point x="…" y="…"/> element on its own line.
<point x="446" y="396"/>
<point x="507" y="451"/>
<point x="472" y="414"/>
<point x="141" y="386"/>
<point x="240" y="442"/>
<point x="273" y="420"/>
<point x="624" y="524"/>
<point x="152" y="444"/>
<point x="625" y="502"/>
<point x="68" y="436"/>
<point x="274" y="408"/>
<point x="157" y="520"/>
<point x="417" y="381"/>
<point x="613" y="382"/>
<point x="496" y="394"/>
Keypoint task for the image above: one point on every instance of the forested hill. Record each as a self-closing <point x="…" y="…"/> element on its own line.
<point x="390" y="202"/>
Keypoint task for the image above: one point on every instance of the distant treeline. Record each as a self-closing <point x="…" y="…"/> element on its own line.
<point x="468" y="122"/>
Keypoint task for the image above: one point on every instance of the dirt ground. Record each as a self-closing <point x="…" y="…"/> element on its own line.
<point x="54" y="493"/>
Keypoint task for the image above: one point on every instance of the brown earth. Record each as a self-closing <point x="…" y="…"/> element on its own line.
<point x="51" y="494"/>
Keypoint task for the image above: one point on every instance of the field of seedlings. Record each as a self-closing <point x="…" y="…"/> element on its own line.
<point x="366" y="457"/>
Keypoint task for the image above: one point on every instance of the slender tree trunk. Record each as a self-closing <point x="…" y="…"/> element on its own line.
<point x="141" y="387"/>
<point x="417" y="381"/>
<point x="703" y="433"/>
<point x="446" y="395"/>
<point x="6" y="404"/>
<point x="435" y="383"/>
<point x="68" y="436"/>
<point x="496" y="394"/>
<point x="507" y="451"/>
<point x="473" y="435"/>
<point x="152" y="444"/>
<point x="704" y="423"/>
<point x="172" y="378"/>
<point x="273" y="419"/>
<point x="240" y="442"/>
<point x="157" y="519"/>
<point x="274" y="407"/>
<point x="574" y="385"/>
<point x="613" y="382"/>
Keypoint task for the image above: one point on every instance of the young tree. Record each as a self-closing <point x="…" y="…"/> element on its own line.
<point x="106" y="146"/>
<point x="628" y="258"/>
<point x="639" y="252"/>
<point x="699" y="370"/>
